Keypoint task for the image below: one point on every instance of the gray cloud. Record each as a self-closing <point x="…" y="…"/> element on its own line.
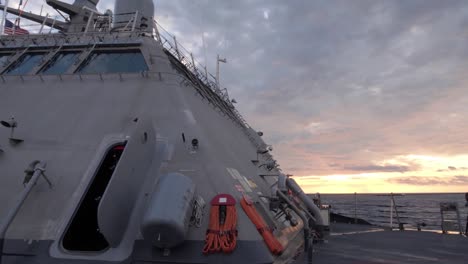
<point x="452" y="168"/>
<point x="374" y="74"/>
<point x="379" y="168"/>
<point x="415" y="180"/>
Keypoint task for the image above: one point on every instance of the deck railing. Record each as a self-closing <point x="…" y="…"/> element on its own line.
<point x="396" y="211"/>
<point x="173" y="46"/>
<point x="96" y="23"/>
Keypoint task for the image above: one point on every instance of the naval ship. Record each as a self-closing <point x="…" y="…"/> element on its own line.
<point x="117" y="146"/>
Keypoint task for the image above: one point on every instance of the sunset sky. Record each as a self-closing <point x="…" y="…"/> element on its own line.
<point x="354" y="96"/>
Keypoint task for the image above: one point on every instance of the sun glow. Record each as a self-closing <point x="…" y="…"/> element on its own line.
<point x="339" y="178"/>
<point x="428" y="173"/>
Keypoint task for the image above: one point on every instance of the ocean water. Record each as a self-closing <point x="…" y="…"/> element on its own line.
<point x="412" y="208"/>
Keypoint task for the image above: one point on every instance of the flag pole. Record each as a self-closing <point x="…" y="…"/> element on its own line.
<point x="2" y="24"/>
<point x="22" y="9"/>
<point x="18" y="19"/>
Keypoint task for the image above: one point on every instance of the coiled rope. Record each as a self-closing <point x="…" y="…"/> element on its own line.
<point x="221" y="235"/>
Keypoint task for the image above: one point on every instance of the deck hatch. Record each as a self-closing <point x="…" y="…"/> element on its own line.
<point x="118" y="61"/>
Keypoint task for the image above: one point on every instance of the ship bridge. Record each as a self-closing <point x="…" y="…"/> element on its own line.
<point x="109" y="44"/>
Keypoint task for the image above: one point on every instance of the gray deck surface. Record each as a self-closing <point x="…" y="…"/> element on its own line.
<point x="369" y="245"/>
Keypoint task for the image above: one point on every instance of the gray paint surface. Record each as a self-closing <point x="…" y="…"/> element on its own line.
<point x="365" y="244"/>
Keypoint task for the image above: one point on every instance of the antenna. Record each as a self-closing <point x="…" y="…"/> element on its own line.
<point x="217" y="69"/>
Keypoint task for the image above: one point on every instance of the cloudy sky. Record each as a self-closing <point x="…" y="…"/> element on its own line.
<point x="354" y="95"/>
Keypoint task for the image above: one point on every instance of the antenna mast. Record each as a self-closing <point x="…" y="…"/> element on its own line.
<point x="217" y="70"/>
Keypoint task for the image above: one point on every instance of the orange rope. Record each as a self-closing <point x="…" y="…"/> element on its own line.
<point x="221" y="237"/>
<point x="273" y="244"/>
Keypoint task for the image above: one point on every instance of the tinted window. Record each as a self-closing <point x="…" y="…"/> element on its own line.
<point x="25" y="64"/>
<point x="113" y="62"/>
<point x="3" y="59"/>
<point x="61" y="63"/>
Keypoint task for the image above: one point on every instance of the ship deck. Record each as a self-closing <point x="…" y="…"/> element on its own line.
<point x="349" y="243"/>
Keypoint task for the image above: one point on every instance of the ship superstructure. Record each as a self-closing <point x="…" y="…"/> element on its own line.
<point x="117" y="146"/>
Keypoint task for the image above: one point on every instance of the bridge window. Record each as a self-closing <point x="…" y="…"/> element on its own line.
<point x="114" y="62"/>
<point x="4" y="59"/>
<point x="25" y="64"/>
<point x="61" y="63"/>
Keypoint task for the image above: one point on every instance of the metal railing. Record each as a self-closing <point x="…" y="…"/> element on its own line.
<point x="397" y="211"/>
<point x="198" y="70"/>
<point x="126" y="22"/>
<point x="33" y="173"/>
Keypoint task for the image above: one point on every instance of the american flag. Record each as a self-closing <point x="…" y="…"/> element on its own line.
<point x="12" y="29"/>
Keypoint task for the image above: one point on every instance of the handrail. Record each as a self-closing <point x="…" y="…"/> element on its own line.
<point x="379" y="213"/>
<point x="393" y="206"/>
<point x="96" y="23"/>
<point x="38" y="169"/>
<point x="170" y="43"/>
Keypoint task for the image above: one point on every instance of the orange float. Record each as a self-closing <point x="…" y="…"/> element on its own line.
<point x="273" y="244"/>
